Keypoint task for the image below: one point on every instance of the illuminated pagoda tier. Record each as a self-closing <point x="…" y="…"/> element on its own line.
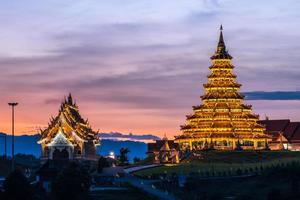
<point x="68" y="135"/>
<point x="223" y="121"/>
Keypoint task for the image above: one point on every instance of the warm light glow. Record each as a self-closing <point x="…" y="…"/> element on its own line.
<point x="223" y="119"/>
<point x="111" y="155"/>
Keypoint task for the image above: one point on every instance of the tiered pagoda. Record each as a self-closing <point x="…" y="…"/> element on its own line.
<point x="222" y="121"/>
<point x="68" y="136"/>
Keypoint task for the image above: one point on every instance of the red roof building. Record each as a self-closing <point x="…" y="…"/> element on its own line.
<point x="284" y="132"/>
<point x="164" y="151"/>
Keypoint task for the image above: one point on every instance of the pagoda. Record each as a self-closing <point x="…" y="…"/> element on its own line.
<point x="68" y="136"/>
<point x="222" y="121"/>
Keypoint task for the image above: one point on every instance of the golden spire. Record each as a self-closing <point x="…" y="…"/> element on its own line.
<point x="165" y="146"/>
<point x="70" y="99"/>
<point x="221" y="52"/>
<point x="221" y="39"/>
<point x="165" y="137"/>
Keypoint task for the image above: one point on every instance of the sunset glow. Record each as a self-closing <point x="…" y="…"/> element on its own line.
<point x="138" y="66"/>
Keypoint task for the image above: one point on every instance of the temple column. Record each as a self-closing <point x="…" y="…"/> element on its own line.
<point x="43" y="150"/>
<point x="233" y="144"/>
<point x="255" y="144"/>
<point x="71" y="153"/>
<point x="51" y="153"/>
<point x="190" y="145"/>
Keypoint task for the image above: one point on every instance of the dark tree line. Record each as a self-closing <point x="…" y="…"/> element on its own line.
<point x="73" y="182"/>
<point x="123" y="158"/>
<point x="17" y="187"/>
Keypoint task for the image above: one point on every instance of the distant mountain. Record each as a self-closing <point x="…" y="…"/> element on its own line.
<point x="25" y="144"/>
<point x="111" y="142"/>
<point x="137" y="149"/>
<point x="130" y="136"/>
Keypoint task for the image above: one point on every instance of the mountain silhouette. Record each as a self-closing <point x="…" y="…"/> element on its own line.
<point x="110" y="142"/>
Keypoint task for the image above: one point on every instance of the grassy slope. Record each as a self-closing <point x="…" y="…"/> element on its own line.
<point x="256" y="188"/>
<point x="219" y="161"/>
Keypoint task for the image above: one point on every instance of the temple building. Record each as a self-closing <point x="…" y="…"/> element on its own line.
<point x="164" y="151"/>
<point x="68" y="136"/>
<point x="284" y="133"/>
<point x="222" y="121"/>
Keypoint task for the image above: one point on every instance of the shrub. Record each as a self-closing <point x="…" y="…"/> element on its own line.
<point x="102" y="162"/>
<point x="17" y="187"/>
<point x="238" y="171"/>
<point x="73" y="182"/>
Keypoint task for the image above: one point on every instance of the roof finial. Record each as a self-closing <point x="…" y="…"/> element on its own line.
<point x="70" y="99"/>
<point x="165" y="137"/>
<point x="221" y="52"/>
<point x="221" y="40"/>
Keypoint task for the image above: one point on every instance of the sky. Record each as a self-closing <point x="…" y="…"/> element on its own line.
<point x="137" y="66"/>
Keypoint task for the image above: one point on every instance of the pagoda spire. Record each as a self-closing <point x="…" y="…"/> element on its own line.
<point x="221" y="52"/>
<point x="221" y="43"/>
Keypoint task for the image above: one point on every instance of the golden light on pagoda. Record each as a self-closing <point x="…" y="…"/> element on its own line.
<point x="223" y="121"/>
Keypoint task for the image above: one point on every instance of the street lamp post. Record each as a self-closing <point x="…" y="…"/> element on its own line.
<point x="5" y="147"/>
<point x="13" y="104"/>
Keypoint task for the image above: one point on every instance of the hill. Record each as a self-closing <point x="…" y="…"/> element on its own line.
<point x="27" y="144"/>
<point x="220" y="161"/>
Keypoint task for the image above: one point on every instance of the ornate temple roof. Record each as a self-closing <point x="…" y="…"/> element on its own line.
<point x="223" y="95"/>
<point x="158" y="144"/>
<point x="290" y="130"/>
<point x="213" y="75"/>
<point x="222" y="84"/>
<point x="70" y="123"/>
<point x="165" y="146"/>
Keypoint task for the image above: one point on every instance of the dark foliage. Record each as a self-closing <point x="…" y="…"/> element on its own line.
<point x="73" y="182"/>
<point x="102" y="162"/>
<point x="17" y="187"/>
<point x="274" y="182"/>
<point x="136" y="160"/>
<point x="123" y="158"/>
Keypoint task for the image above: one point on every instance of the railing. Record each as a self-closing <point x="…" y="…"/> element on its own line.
<point x="223" y="147"/>
<point x="247" y="147"/>
<point x="76" y="157"/>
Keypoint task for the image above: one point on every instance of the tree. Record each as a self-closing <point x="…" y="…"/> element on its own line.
<point x="17" y="187"/>
<point x="123" y="156"/>
<point x="136" y="159"/>
<point x="102" y="162"/>
<point x="73" y="182"/>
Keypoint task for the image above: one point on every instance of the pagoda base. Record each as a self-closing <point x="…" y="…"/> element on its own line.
<point x="191" y="144"/>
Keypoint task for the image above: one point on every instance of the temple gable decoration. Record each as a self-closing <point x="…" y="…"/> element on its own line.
<point x="59" y="140"/>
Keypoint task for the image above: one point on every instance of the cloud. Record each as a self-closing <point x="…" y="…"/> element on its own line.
<point x="276" y="95"/>
<point x="130" y="136"/>
<point x="141" y="57"/>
